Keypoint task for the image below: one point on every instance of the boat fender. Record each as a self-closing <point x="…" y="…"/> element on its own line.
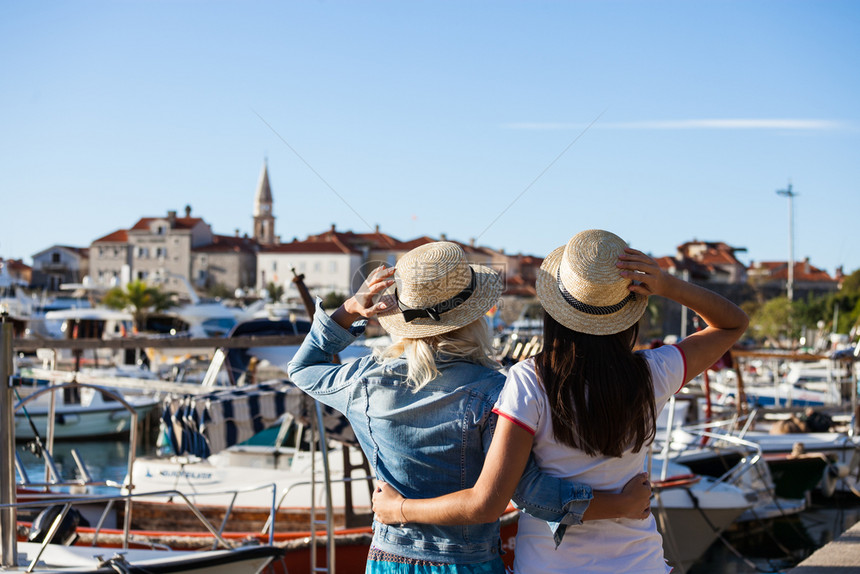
<point x="831" y="476"/>
<point x="66" y="534"/>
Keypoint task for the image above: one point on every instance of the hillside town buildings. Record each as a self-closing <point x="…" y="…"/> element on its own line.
<point x="177" y="250"/>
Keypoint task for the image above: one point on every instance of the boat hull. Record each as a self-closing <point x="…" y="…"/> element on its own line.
<point x="91" y="560"/>
<point x="690" y="522"/>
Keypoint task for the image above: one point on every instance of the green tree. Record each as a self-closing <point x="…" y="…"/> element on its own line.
<point x="849" y="304"/>
<point x="851" y="283"/>
<point x="139" y="299"/>
<point x="219" y="291"/>
<point x="276" y="291"/>
<point x="333" y="300"/>
<point x="777" y="322"/>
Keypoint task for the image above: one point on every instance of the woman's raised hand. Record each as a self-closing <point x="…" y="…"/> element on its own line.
<point x="388" y="504"/>
<point x="648" y="278"/>
<point x="362" y="303"/>
<point x="725" y="322"/>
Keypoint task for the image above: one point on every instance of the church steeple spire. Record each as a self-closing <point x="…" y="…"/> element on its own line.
<point x="264" y="221"/>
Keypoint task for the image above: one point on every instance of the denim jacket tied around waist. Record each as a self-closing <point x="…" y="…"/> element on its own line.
<point x="426" y="442"/>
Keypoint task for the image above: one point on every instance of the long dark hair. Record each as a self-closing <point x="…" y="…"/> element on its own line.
<point x="600" y="392"/>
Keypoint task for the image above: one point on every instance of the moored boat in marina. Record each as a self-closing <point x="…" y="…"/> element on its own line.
<point x="45" y="555"/>
<point x="81" y="412"/>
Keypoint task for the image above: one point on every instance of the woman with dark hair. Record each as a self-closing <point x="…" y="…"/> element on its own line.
<point x="586" y="405"/>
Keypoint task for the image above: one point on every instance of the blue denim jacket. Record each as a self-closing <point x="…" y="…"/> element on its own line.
<point x="425" y="443"/>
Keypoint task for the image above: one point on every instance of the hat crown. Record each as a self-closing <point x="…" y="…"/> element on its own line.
<point x="432" y="273"/>
<point x="588" y="268"/>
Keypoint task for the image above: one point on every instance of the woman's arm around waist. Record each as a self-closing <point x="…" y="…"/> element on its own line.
<point x="499" y="478"/>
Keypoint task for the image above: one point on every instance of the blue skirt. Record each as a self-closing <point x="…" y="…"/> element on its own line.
<point x="379" y="562"/>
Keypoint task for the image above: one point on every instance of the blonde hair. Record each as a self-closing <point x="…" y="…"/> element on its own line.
<point x="470" y="343"/>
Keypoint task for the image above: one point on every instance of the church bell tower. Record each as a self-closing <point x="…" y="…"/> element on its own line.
<point x="264" y="221"/>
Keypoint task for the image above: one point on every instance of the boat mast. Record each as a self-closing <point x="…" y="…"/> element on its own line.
<point x="790" y="282"/>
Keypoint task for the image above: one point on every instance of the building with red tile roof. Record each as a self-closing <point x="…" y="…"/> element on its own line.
<point x="773" y="277"/>
<point x="15" y="272"/>
<point x="713" y="261"/>
<point x="337" y="261"/>
<point x="170" y="250"/>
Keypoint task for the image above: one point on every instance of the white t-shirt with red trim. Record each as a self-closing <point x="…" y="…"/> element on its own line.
<point x="611" y="546"/>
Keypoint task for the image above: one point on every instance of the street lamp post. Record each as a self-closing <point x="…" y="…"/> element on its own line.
<point x="790" y="195"/>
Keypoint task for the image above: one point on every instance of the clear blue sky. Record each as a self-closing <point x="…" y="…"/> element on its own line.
<point x="466" y="118"/>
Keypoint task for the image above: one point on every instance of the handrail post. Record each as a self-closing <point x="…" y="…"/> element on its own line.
<point x="8" y="515"/>
<point x="329" y="511"/>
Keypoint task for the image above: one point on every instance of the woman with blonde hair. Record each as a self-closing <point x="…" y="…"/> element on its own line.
<point x="422" y="409"/>
<point x="586" y="406"/>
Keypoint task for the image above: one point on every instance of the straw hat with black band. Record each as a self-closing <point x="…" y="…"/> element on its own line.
<point x="436" y="291"/>
<point x="580" y="287"/>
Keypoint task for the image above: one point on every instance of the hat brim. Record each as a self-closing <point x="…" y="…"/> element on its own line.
<point x="488" y="289"/>
<point x="555" y="304"/>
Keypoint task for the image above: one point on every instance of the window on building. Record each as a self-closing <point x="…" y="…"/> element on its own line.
<point x="332" y="266"/>
<point x="141" y="275"/>
<point x="160" y="252"/>
<point x="274" y="265"/>
<point x="55" y="257"/>
<point x="317" y="266"/>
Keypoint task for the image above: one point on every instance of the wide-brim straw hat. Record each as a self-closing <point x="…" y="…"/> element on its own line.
<point x="436" y="291"/>
<point x="580" y="287"/>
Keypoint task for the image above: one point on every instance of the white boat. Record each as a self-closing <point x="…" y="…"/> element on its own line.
<point x="84" y="323"/>
<point x="701" y="451"/>
<point x="842" y="473"/>
<point x="835" y="456"/>
<point x="78" y="412"/>
<point x="59" y="559"/>
<point x="692" y="510"/>
<point x="779" y="394"/>
<point x="782" y="381"/>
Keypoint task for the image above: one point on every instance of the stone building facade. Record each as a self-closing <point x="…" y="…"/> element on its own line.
<point x="58" y="265"/>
